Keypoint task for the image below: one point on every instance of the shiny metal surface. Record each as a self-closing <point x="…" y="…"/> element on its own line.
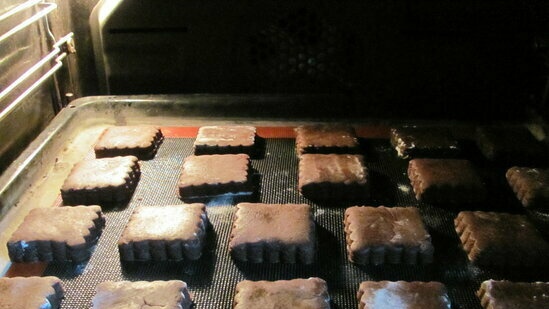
<point x="47" y="8"/>
<point x="29" y="58"/>
<point x="23" y="46"/>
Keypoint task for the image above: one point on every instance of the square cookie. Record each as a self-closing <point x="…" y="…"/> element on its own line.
<point x="403" y="295"/>
<point x="514" y="145"/>
<point x="57" y="234"/>
<point x="101" y="181"/>
<point x="445" y="181"/>
<point x="531" y="185"/>
<point x="30" y="293"/>
<point x="326" y="139"/>
<point x="499" y="239"/>
<point x="211" y="175"/>
<point x="413" y="142"/>
<point x="273" y="233"/>
<point x="142" y="294"/>
<point x="513" y="295"/>
<point x="141" y="141"/>
<point x="378" y="235"/>
<point x="225" y="140"/>
<point x="333" y="176"/>
<point x="309" y="293"/>
<point x="174" y="232"/>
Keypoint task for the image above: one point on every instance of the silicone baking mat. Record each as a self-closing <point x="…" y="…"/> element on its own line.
<point x="213" y="278"/>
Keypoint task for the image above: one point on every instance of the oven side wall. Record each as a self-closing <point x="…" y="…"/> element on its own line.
<point x="21" y="123"/>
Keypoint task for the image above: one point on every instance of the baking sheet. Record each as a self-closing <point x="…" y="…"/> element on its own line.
<point x="212" y="279"/>
<point x="34" y="179"/>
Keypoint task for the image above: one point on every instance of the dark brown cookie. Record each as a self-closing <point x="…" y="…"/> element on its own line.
<point x="498" y="239"/>
<point x="211" y="175"/>
<point x="141" y="141"/>
<point x="101" y="181"/>
<point x="445" y="181"/>
<point x="511" y="146"/>
<point x="225" y="140"/>
<point x="429" y="142"/>
<point x="531" y="185"/>
<point x="333" y="176"/>
<point x="273" y="233"/>
<point x="309" y="293"/>
<point x="513" y="295"/>
<point x="172" y="232"/>
<point x="30" y="293"/>
<point x="57" y="234"/>
<point x="142" y="294"/>
<point x="402" y="294"/>
<point x="378" y="235"/>
<point x="326" y="139"/>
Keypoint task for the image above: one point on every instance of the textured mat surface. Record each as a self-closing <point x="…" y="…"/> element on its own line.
<point x="212" y="279"/>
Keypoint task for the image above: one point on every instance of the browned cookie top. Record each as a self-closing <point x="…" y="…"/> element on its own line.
<point x="214" y="169"/>
<point x="30" y="292"/>
<point x="99" y="173"/>
<point x="379" y="226"/>
<point x="225" y="136"/>
<point x="69" y="224"/>
<point x="332" y="168"/>
<point x="121" y="137"/>
<point x="183" y="222"/>
<point x="318" y="136"/>
<point x="309" y="293"/>
<point x="403" y="295"/>
<point x="285" y="223"/>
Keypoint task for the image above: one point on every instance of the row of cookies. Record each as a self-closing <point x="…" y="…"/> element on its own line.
<point x="377" y="235"/>
<point x="503" y="145"/>
<point x="507" y="145"/>
<point x="512" y="144"/>
<point x="274" y="233"/>
<point x="47" y="292"/>
<point x="456" y="181"/>
<point x="143" y="141"/>
<point x="108" y="181"/>
<point x="321" y="176"/>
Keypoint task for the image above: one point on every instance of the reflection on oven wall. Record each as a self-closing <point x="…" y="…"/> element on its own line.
<point x="452" y="59"/>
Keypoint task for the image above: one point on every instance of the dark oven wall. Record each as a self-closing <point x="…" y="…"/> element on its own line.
<point x="413" y="58"/>
<point x="428" y="59"/>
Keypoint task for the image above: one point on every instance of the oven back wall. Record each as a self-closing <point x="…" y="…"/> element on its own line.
<point x="429" y="58"/>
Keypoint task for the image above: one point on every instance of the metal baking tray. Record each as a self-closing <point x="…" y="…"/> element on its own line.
<point x="35" y="178"/>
